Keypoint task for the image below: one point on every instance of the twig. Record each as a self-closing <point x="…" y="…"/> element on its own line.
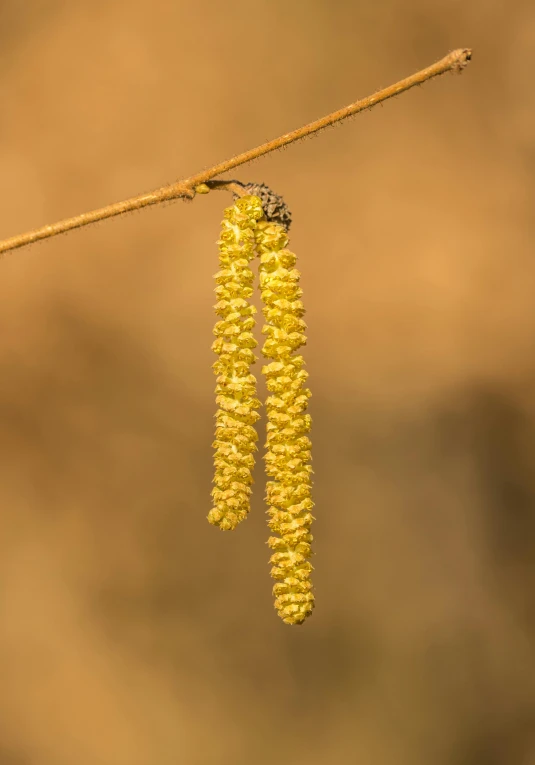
<point x="454" y="61"/>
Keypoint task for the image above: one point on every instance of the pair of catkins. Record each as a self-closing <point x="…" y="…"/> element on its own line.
<point x="249" y="230"/>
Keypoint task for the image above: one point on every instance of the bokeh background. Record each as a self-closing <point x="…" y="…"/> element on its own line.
<point x="132" y="632"/>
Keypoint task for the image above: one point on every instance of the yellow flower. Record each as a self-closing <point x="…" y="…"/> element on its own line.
<point x="236" y="386"/>
<point x="288" y="447"/>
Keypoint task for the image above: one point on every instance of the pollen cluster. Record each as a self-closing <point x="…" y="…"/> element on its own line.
<point x="235" y="435"/>
<point x="288" y="446"/>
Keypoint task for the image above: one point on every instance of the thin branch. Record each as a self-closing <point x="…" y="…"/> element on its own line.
<point x="186" y="189"/>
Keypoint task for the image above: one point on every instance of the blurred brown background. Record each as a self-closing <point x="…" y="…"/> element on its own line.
<point x="131" y="632"/>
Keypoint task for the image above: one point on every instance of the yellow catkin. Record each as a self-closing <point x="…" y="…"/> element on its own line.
<point x="236" y="386"/>
<point x="288" y="447"/>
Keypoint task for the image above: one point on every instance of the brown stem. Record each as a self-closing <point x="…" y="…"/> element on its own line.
<point x="186" y="189"/>
<point x="236" y="187"/>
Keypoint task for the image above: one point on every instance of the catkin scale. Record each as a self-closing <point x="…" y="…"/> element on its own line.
<point x="288" y="446"/>
<point x="235" y="435"/>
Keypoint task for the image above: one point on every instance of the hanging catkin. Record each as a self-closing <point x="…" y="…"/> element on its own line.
<point x="288" y="446"/>
<point x="236" y="387"/>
